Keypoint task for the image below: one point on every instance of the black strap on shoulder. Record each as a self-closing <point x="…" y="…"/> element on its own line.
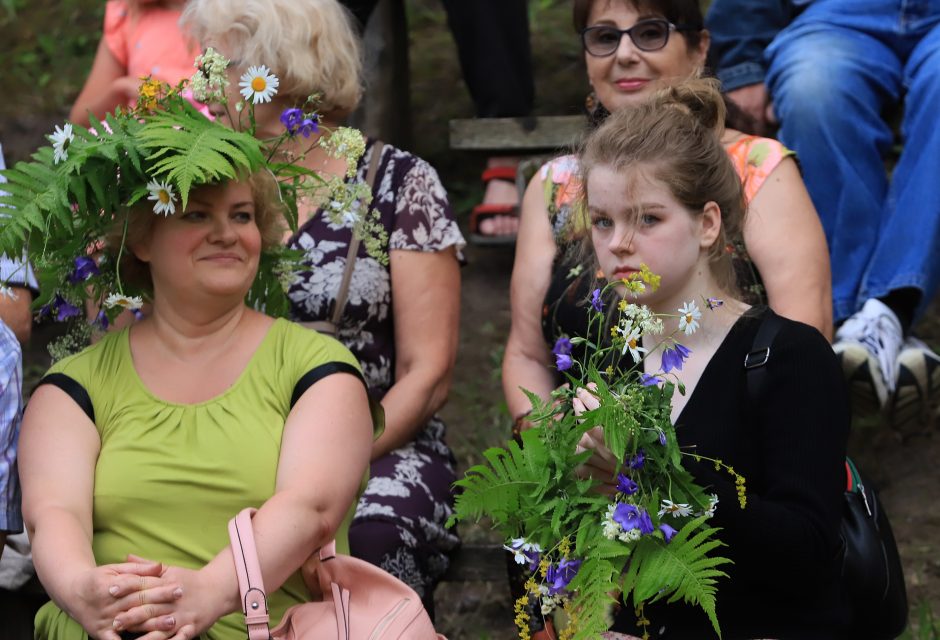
<point x="759" y="354"/>
<point x="318" y="373"/>
<point x="75" y="390"/>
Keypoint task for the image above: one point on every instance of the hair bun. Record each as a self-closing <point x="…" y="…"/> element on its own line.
<point x="699" y="97"/>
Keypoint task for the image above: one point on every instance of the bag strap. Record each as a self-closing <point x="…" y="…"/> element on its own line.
<point x="759" y="355"/>
<point x="250" y="584"/>
<point x="754" y="363"/>
<point x="330" y="326"/>
<point x="254" y="598"/>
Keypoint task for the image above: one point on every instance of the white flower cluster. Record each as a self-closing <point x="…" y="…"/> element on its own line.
<point x="346" y="202"/>
<point x="641" y="316"/>
<point x="549" y="602"/>
<point x="210" y="81"/>
<point x="346" y="143"/>
<point x="635" y="321"/>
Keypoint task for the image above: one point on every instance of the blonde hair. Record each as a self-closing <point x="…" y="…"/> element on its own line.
<point x="311" y="45"/>
<point x="140" y="218"/>
<point x="675" y="137"/>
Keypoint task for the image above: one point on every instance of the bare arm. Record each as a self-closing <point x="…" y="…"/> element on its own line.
<point x="527" y="359"/>
<point x="57" y="456"/>
<point x="324" y="455"/>
<point x="795" y="270"/>
<point x="15" y="313"/>
<point x="107" y="86"/>
<point x="426" y="308"/>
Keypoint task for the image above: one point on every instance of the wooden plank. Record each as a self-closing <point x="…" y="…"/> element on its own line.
<point x="478" y="563"/>
<point x="496" y="134"/>
<point x="385" y="109"/>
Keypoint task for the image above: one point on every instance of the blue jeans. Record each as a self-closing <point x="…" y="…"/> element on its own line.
<point x="832" y="73"/>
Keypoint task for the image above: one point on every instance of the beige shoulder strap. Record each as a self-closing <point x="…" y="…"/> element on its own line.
<point x="330" y="326"/>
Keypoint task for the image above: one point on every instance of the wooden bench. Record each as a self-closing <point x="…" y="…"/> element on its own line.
<point x="526" y="135"/>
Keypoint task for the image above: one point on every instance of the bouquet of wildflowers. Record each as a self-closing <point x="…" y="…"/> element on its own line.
<point x="651" y="539"/>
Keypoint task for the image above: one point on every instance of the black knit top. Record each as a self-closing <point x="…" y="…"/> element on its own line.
<point x="790" y="446"/>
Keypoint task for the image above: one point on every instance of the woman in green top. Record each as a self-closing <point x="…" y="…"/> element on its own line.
<point x="149" y="441"/>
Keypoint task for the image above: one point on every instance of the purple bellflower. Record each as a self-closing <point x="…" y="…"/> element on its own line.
<point x="673" y="358"/>
<point x="625" y="485"/>
<point x="648" y="380"/>
<point x="60" y="308"/>
<point x="84" y="269"/>
<point x="292" y="119"/>
<point x="668" y="532"/>
<point x="630" y="516"/>
<point x="636" y="462"/>
<point x="562" y="346"/>
<point x="563" y="361"/>
<point x="308" y="126"/>
<point x="560" y="576"/>
<point x="596" y="301"/>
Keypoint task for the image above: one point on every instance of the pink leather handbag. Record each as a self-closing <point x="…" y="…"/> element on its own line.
<point x="360" y="601"/>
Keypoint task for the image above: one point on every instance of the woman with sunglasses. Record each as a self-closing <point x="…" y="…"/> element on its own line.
<point x="632" y="49"/>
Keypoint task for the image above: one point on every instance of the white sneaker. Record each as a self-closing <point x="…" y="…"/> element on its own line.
<point x="918" y="382"/>
<point x="867" y="345"/>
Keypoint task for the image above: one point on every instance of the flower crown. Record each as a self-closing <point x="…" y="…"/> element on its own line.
<point x="61" y="205"/>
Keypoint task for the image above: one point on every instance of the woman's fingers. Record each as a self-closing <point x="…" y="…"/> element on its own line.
<point x="137" y="591"/>
<point x="145" y="618"/>
<point x="588" y="399"/>
<point x="186" y="632"/>
<point x="139" y="566"/>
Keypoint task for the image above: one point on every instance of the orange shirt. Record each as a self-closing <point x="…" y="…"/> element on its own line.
<point x="149" y="43"/>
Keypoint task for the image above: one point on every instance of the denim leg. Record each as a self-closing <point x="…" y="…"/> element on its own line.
<point x="908" y="251"/>
<point x="829" y="85"/>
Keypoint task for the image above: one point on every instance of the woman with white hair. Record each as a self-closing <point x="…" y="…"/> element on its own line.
<point x="400" y="316"/>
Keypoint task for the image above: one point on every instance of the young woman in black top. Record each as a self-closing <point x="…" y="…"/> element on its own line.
<point x="661" y="191"/>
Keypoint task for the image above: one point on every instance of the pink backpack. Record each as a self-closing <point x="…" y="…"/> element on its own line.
<point x="360" y="601"/>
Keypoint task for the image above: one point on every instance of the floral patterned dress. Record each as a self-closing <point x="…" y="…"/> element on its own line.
<point x="399" y="522"/>
<point x="754" y="158"/>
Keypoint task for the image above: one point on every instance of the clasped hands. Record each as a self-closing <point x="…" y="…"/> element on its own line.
<point x="142" y="597"/>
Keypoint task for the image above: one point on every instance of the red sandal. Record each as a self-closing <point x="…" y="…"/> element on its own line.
<point x="483" y="212"/>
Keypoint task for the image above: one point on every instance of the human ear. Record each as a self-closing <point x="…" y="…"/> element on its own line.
<point x="700" y="53"/>
<point x="141" y="250"/>
<point x="710" y="224"/>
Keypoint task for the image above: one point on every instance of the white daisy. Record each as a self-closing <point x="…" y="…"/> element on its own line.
<point x="258" y="84"/>
<point x="676" y="510"/>
<point x="162" y="195"/>
<point x="61" y="140"/>
<point x="632" y="343"/>
<point x="120" y="300"/>
<point x="690" y="315"/>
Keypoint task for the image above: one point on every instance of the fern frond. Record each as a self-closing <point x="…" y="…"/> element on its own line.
<point x="192" y="151"/>
<point x="680" y="569"/>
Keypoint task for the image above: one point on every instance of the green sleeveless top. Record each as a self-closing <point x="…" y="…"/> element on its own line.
<point x="170" y="476"/>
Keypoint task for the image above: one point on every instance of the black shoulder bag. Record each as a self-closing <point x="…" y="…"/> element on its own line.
<point x="872" y="577"/>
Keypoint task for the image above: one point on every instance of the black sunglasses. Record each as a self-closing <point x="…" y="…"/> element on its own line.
<point x="647" y="35"/>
